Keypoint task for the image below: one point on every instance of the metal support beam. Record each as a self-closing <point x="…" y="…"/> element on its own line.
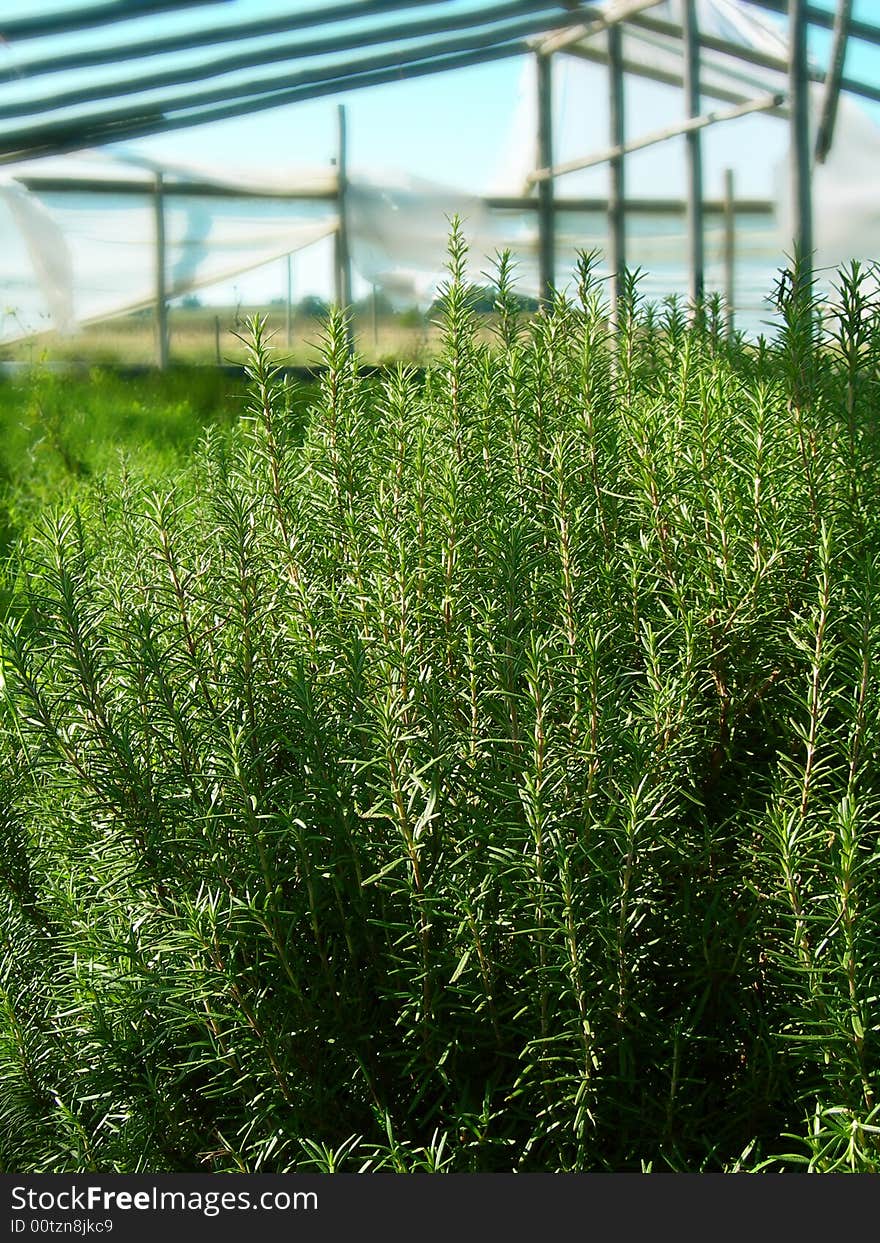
<point x="288" y="318"/>
<point x="138" y="119"/>
<point x="648" y="207"/>
<point x="696" y="265"/>
<point x="868" y="31"/>
<point x="546" y="222"/>
<point x="798" y="90"/>
<point x="497" y="23"/>
<point x="161" y="295"/>
<point x="598" y="56"/>
<point x="88" y="16"/>
<point x="617" y="177"/>
<point x="343" y="256"/>
<point x="207" y="35"/>
<point x="833" y="80"/>
<point x="729" y="253"/>
<point x="765" y="104"/>
<point x="652" y="24"/>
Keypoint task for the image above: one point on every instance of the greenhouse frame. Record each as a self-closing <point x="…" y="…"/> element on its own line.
<point x="725" y="60"/>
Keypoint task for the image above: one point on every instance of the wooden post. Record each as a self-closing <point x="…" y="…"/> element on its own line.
<point x="161" y="296"/>
<point x="288" y="318"/>
<point x="343" y="256"/>
<point x="546" y="223"/>
<point x="729" y="253"/>
<point x="696" y="262"/>
<point x="799" y="97"/>
<point x="617" y="180"/>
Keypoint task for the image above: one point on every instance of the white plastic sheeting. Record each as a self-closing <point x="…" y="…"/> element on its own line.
<point x="76" y="256"/>
<point x="36" y="289"/>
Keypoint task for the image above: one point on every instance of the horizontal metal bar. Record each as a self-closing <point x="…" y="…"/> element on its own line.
<point x="89" y="16"/>
<point x="751" y="56"/>
<point x="598" y="56"/>
<point x="821" y="17"/>
<point x="62" y="130"/>
<point x="662" y="135"/>
<point x="152" y="123"/>
<point x="91" y="185"/>
<point x="351" y="10"/>
<point x="650" y="207"/>
<point x="532" y="13"/>
<point x="170" y="189"/>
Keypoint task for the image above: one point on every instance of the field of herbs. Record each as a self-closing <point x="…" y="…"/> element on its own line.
<point x="481" y="775"/>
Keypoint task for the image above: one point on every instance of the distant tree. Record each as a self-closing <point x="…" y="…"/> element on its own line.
<point x="484" y="298"/>
<point x="313" y="307"/>
<point x="384" y="306"/>
<point x="190" y="302"/>
<point x="412" y="317"/>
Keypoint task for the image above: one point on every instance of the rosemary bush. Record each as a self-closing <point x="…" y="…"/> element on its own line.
<point x="484" y="778"/>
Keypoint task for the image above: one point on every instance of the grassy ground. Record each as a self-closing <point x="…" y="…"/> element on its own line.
<point x="197" y="337"/>
<point x="61" y="432"/>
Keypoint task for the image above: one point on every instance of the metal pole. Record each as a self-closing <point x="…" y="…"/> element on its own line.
<point x="161" y="297"/>
<point x="617" y="181"/>
<point x="729" y="252"/>
<point x="343" y="255"/>
<point x="798" y="92"/>
<point x="696" y="263"/>
<point x="825" y="132"/>
<point x="289" y="309"/>
<point x="546" y="224"/>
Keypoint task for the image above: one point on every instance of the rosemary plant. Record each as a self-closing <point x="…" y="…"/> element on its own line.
<point x="481" y="778"/>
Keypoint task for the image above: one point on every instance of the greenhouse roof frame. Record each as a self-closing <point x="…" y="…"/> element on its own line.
<point x="405" y="34"/>
<point x="483" y="33"/>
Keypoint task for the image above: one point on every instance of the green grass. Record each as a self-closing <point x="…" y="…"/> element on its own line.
<point x="62" y="431"/>
<point x="483" y="778"/>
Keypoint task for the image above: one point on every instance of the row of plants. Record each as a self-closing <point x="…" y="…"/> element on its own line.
<point x="480" y="777"/>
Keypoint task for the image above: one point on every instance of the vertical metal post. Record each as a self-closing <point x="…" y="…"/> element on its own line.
<point x="729" y="252"/>
<point x="161" y="296"/>
<point x="288" y="318"/>
<point x="617" y="182"/>
<point x="343" y="255"/>
<point x="799" y="105"/>
<point x="833" y="77"/>
<point x="696" y="260"/>
<point x="546" y="222"/>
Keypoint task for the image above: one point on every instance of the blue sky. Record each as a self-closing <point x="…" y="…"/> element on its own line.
<point x="446" y="127"/>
